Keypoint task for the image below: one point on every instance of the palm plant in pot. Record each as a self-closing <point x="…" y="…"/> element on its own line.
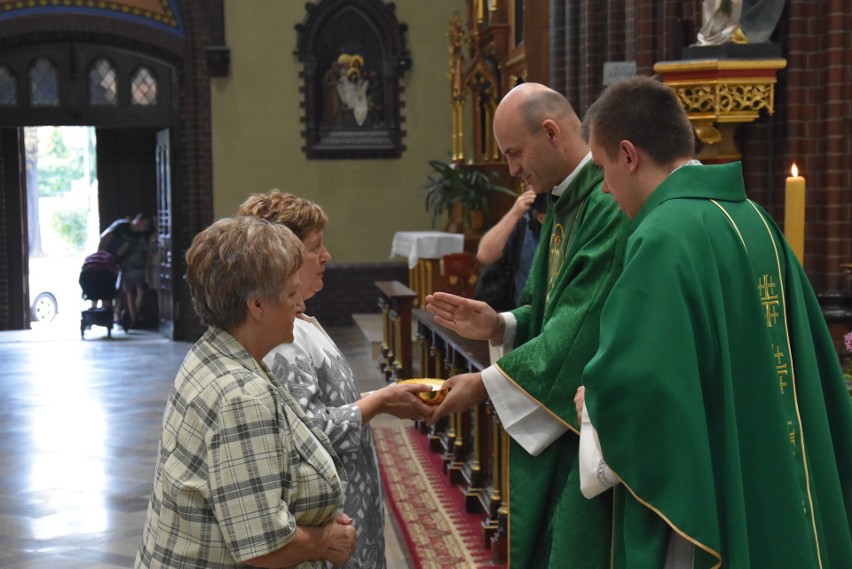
<point x="464" y="193"/>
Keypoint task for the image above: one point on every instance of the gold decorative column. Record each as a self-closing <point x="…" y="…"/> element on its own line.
<point x="719" y="95"/>
<point x="455" y="33"/>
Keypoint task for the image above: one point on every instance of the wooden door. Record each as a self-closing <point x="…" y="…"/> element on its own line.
<point x="127" y="185"/>
<point x="15" y="315"/>
<point x="127" y="180"/>
<point x="163" y="248"/>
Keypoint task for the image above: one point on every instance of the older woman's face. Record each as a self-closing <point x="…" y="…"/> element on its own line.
<point x="313" y="263"/>
<point x="282" y="316"/>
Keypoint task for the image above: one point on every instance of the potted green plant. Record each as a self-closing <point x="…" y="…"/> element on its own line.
<point x="464" y="193"/>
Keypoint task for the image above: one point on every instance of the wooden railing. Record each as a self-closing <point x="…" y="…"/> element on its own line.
<point x="395" y="301"/>
<point x="473" y="444"/>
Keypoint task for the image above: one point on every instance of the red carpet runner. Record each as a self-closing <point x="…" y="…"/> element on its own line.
<point x="429" y="510"/>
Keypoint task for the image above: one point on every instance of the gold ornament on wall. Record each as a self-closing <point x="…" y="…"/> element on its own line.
<point x="720" y="94"/>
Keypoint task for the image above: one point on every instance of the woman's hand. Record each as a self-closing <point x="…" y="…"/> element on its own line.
<point x="402" y="401"/>
<point x="338" y="535"/>
<point x="333" y="541"/>
<point x="397" y="400"/>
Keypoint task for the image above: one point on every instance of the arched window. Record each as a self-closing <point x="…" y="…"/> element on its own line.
<point x="44" y="84"/>
<point x="103" y="87"/>
<point x="85" y="83"/>
<point x="8" y="87"/>
<point x="143" y="87"/>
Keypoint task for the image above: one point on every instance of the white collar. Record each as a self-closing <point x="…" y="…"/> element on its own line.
<point x="557" y="191"/>
<point x="693" y="162"/>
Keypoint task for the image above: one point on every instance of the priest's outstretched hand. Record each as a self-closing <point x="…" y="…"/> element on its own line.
<point x="467" y="317"/>
<point x="464" y="391"/>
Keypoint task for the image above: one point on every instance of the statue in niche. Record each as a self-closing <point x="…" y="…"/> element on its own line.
<point x="738" y="21"/>
<point x="353" y="55"/>
<point x="330" y="98"/>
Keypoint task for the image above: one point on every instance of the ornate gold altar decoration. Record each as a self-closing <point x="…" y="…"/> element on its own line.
<point x="482" y="85"/>
<point x="719" y="95"/>
<point x="455" y="33"/>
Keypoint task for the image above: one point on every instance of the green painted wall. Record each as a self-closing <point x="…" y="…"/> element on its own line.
<point x="256" y="128"/>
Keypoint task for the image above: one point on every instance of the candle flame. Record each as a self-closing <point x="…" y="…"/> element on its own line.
<point x="794" y="170"/>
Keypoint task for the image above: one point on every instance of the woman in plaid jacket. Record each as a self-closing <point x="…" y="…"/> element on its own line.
<point x="242" y="479"/>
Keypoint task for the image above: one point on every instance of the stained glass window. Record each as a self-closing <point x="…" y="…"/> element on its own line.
<point x="143" y="87"/>
<point x="8" y="88"/>
<point x="103" y="88"/>
<point x="44" y="84"/>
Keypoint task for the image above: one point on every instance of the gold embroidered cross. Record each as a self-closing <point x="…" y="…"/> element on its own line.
<point x="780" y="367"/>
<point x="792" y="430"/>
<point x="782" y="371"/>
<point x="766" y="289"/>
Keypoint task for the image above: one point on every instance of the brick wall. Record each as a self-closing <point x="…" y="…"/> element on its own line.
<point x="192" y="183"/>
<point x="349" y="289"/>
<point x="813" y="102"/>
<point x="818" y="89"/>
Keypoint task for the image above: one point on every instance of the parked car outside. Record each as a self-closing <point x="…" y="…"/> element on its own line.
<point x="55" y="294"/>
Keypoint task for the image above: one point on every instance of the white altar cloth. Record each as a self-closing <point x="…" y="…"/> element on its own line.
<point x="425" y="245"/>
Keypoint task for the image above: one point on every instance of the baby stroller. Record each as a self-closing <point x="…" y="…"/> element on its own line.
<point x="97" y="279"/>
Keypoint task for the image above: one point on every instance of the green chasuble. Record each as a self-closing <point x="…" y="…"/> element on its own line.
<point x="717" y="393"/>
<point x="578" y="259"/>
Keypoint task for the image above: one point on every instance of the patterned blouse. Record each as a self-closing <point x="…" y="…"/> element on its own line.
<point x="320" y="379"/>
<point x="238" y="467"/>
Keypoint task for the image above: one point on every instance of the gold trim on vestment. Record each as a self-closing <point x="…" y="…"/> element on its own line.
<point x="558" y="251"/>
<point x="737" y="229"/>
<point x="539" y="403"/>
<point x="509" y="502"/>
<point x="694" y="542"/>
<point x="612" y="534"/>
<point x="793" y="379"/>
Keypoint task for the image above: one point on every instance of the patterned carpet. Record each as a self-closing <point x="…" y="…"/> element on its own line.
<point x="428" y="509"/>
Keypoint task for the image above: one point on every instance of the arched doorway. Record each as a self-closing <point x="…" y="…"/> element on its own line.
<point x="180" y="43"/>
<point x="129" y="98"/>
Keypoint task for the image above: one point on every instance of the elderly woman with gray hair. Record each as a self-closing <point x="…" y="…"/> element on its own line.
<point x="242" y="478"/>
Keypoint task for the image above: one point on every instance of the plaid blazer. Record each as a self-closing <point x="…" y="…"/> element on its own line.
<point x="238" y="465"/>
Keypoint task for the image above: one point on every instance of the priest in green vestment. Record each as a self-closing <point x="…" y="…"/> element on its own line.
<point x="715" y="404"/>
<point x="549" y="339"/>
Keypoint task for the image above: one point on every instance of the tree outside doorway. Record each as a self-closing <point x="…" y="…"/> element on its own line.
<point x="62" y="206"/>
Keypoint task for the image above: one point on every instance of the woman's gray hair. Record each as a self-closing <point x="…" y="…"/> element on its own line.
<point x="235" y="259"/>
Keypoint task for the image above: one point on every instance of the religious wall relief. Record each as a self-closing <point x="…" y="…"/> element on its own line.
<point x="353" y="57"/>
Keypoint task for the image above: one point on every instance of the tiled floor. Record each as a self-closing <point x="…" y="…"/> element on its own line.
<point x="80" y="422"/>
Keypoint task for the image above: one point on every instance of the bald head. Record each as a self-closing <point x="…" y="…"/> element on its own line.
<point x="538" y="132"/>
<point x="534" y="103"/>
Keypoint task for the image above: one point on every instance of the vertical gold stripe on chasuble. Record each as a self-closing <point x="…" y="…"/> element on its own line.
<point x="737" y="229"/>
<point x="793" y="379"/>
<point x="789" y="351"/>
